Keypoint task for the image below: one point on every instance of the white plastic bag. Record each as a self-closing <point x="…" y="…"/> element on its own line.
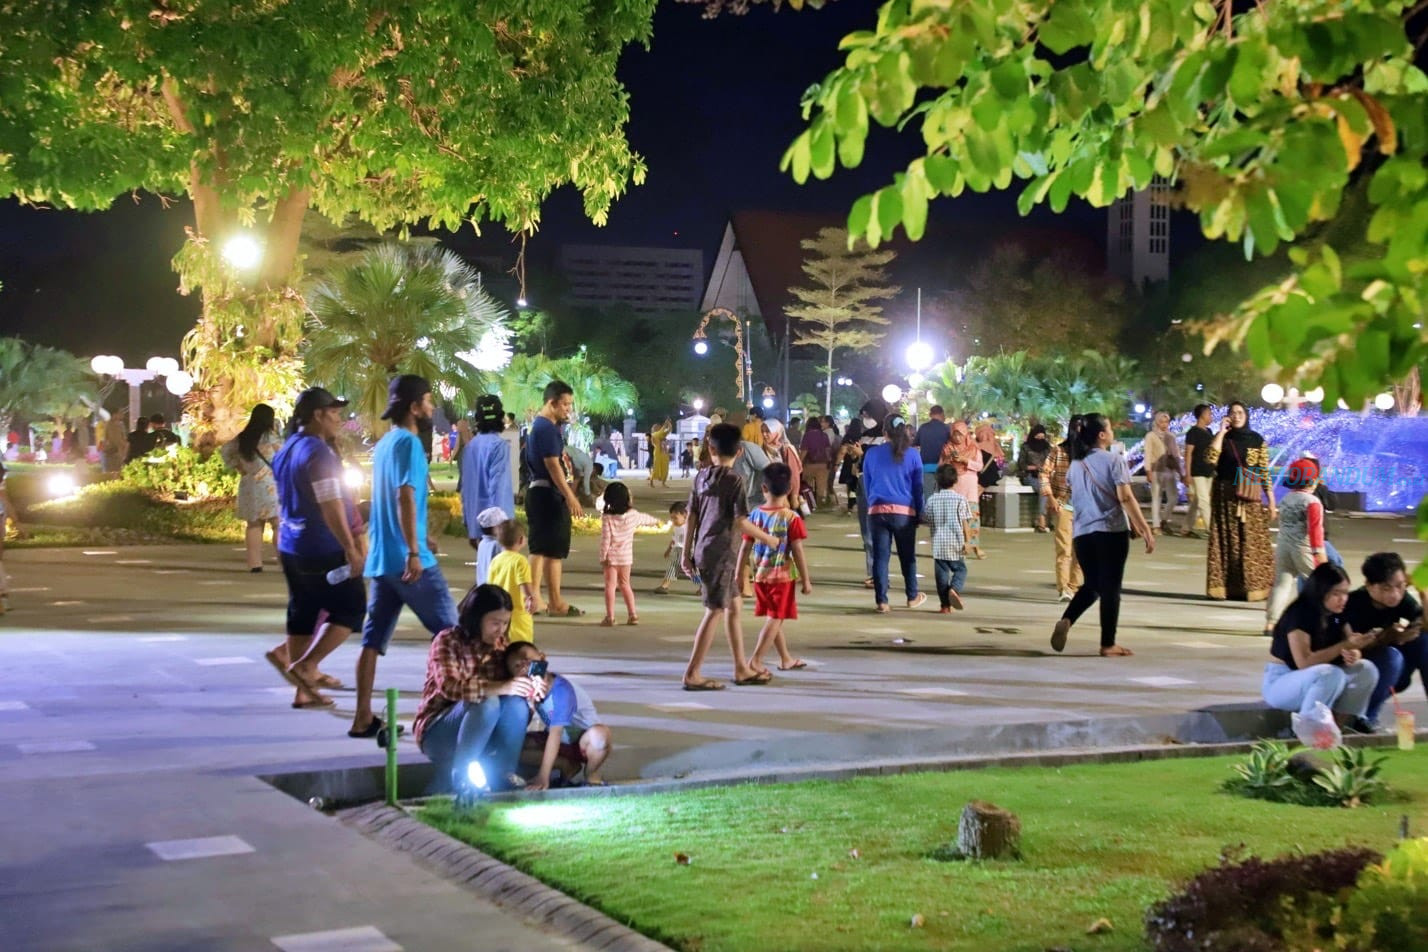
<point x="1317" y="729"/>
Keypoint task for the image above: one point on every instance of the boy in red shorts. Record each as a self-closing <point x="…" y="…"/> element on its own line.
<point x="777" y="567"/>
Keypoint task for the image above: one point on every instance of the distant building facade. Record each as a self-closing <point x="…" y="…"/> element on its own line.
<point x="646" y="280"/>
<point x="1138" y="235"/>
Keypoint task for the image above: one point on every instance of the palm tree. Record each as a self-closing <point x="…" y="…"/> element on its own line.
<point x="598" y="391"/>
<point x="402" y="310"/>
<point x="38" y="381"/>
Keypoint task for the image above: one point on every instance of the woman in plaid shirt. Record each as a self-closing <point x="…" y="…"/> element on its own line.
<point x="469" y="711"/>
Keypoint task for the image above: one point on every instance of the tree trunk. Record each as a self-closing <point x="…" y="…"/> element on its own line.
<point x="986" y="831"/>
<point x="828" y="387"/>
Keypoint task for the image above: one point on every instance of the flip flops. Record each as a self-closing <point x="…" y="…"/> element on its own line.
<point x="570" y="612"/>
<point x="321" y="702"/>
<point x="368" y="732"/>
<point x="796" y="666"/>
<point x="755" y="680"/>
<point x="272" y="658"/>
<point x="1059" y="633"/>
<point x="329" y="682"/>
<point x="708" y="684"/>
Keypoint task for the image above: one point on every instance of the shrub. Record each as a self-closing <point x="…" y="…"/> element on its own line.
<point x="1388" y="912"/>
<point x="1248" y="906"/>
<point x="1350" y="781"/>
<point x="116" y="505"/>
<point x="182" y="473"/>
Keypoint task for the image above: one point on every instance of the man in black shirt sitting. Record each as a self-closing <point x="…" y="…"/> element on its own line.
<point x="1383" y="605"/>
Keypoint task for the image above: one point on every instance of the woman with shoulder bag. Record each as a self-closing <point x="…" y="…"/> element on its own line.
<point x="1240" y="563"/>
<point x="1102" y="503"/>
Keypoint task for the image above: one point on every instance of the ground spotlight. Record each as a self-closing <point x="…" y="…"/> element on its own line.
<point x="61" y="485"/>
<point x="476" y="775"/>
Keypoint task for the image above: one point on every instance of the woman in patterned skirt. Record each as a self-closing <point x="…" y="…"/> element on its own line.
<point x="1240" y="564"/>
<point x="251" y="453"/>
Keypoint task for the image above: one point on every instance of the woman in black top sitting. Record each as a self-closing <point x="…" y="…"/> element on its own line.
<point x="1314" y="656"/>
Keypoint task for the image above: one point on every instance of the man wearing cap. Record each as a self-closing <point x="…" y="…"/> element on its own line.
<point x="486" y="468"/>
<point x="314" y="538"/>
<point x="400" y="562"/>
<point x="550" y="500"/>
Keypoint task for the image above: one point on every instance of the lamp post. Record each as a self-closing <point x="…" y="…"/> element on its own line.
<point x="178" y="382"/>
<point x="919" y="353"/>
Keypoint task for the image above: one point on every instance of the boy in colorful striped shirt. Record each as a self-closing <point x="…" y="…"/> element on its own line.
<point x="777" y="567"/>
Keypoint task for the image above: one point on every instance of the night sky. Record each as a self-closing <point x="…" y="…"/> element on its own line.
<point x="713" y="106"/>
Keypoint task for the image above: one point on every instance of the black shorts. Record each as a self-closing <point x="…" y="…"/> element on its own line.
<point x="309" y="593"/>
<point x="548" y="517"/>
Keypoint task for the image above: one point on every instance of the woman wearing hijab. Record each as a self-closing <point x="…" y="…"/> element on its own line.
<point x="962" y="453"/>
<point x="1240" y="564"/>
<point x="892" y="485"/>
<point x="1030" y="460"/>
<point x="780" y="450"/>
<point x="991" y="452"/>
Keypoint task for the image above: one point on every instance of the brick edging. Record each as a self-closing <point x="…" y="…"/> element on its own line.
<point x="492" y="879"/>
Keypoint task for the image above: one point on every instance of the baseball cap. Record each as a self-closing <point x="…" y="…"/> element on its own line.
<point x="1301" y="472"/>
<point x="489" y="409"/>
<point x="313" y="399"/>
<point x="403" y="390"/>
<point x="491" y="517"/>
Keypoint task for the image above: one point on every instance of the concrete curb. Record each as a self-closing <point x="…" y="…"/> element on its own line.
<point x="492" y="879"/>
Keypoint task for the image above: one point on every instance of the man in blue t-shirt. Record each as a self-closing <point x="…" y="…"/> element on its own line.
<point x="314" y="538"/>
<point x="932" y="436"/>
<point x="550" y="499"/>
<point x="400" y="559"/>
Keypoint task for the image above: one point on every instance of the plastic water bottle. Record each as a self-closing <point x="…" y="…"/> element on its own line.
<point x="339" y="575"/>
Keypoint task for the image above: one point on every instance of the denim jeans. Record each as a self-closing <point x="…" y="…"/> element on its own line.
<point x="1415" y="658"/>
<point x="951" y="576"/>
<point x="428" y="597"/>
<point x="865" y="530"/>
<point x="888" y="531"/>
<point x="1342" y="689"/>
<point x="1389" y="661"/>
<point x="491" y="731"/>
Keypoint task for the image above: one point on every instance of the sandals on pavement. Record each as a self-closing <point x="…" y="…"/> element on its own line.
<point x="570" y="612"/>
<point x="1116" y="651"/>
<point x="755" y="680"/>
<point x="797" y="665"/>
<point x="708" y="684"/>
<point x="918" y="601"/>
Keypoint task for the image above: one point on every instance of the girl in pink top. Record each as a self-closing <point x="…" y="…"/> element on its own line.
<point x="617" y="549"/>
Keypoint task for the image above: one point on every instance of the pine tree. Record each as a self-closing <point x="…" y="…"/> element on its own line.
<point x="838" y="309"/>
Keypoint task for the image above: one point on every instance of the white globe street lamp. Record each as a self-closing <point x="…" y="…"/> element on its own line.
<point x="1271" y="393"/>
<point x="179" y="382"/>
<point x="892" y="393"/>
<point x="920" y="355"/>
<point x="1384" y="401"/>
<point x="1315" y="396"/>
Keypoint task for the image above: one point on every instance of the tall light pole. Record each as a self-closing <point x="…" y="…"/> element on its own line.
<point x="177" y="381"/>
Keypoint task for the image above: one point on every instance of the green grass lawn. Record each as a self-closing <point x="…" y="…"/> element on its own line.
<point x="771" y="867"/>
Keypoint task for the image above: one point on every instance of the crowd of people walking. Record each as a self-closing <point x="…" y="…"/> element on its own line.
<point x="741" y="534"/>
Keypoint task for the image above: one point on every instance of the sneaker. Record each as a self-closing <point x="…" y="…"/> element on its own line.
<point x="1361" y="725"/>
<point x="1066" y="596"/>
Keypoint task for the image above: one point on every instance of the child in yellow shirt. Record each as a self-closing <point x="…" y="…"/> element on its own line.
<point x="511" y="571"/>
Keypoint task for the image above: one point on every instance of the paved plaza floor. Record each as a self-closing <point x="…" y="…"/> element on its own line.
<point x="137" y="713"/>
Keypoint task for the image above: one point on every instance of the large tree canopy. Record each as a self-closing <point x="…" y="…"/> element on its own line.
<point x="1260" y="116"/>
<point x="396" y="112"/>
<point x="440" y="111"/>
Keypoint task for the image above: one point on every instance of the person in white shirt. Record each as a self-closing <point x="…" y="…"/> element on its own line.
<point x="1163" y="469"/>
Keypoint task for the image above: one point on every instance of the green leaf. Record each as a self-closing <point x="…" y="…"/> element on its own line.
<point x="889" y="209"/>
<point x="1009" y="80"/>
<point x="860" y="215"/>
<point x="1247" y="77"/>
<point x="941" y="173"/>
<point x="796" y="158"/>
<point x="914" y="201"/>
<point x="895" y="90"/>
<point x="1068" y="26"/>
<point x="820" y="147"/>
